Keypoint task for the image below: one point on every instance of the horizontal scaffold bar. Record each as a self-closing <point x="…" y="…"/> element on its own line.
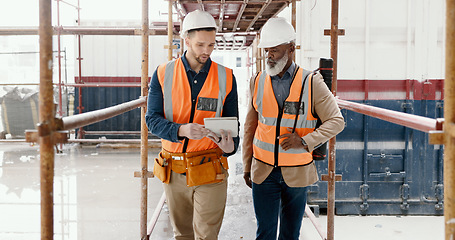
<point x="420" y="123"/>
<point x="77" y="30"/>
<point x="87" y="118"/>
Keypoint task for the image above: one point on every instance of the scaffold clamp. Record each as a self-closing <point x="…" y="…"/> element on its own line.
<point x="147" y="174"/>
<point x="326" y="177"/>
<point x="52" y="129"/>
<point x="32" y="136"/>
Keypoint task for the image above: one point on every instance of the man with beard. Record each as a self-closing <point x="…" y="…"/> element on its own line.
<point x="193" y="160"/>
<point x="280" y="134"/>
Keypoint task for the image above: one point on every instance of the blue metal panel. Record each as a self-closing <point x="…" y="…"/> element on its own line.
<point x="404" y="179"/>
<point x="102" y="97"/>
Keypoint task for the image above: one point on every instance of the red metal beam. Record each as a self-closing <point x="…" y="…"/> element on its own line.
<point x="411" y="88"/>
<point x="382" y="89"/>
<point x="151" y="142"/>
<point x="420" y="123"/>
<point x="104" y="85"/>
<point x="113" y="132"/>
<point x="107" y="79"/>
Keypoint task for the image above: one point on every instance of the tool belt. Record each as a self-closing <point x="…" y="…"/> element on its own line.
<point x="203" y="167"/>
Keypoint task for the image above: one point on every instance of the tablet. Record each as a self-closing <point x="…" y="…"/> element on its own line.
<point x="225" y="123"/>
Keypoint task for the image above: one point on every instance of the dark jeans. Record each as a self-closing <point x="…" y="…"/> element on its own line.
<point x="274" y="198"/>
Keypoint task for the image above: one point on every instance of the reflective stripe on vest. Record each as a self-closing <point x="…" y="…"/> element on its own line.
<point x="264" y="102"/>
<point x="177" y="99"/>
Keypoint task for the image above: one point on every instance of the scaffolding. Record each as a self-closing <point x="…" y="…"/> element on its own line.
<point x="53" y="130"/>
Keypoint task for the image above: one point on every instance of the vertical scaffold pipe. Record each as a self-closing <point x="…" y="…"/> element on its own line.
<point x="182" y="41"/>
<point x="294" y="20"/>
<point x="144" y="130"/>
<point x="80" y="134"/>
<point x="59" y="56"/>
<point x="258" y="54"/>
<point x="170" y="33"/>
<point x="46" y="116"/>
<point x="332" y="156"/>
<point x="449" y="124"/>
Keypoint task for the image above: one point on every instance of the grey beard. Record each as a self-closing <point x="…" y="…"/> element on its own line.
<point x="279" y="66"/>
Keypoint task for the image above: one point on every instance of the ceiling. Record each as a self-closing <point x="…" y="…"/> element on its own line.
<point x="238" y="21"/>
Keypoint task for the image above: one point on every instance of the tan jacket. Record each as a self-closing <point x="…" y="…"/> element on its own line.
<point x="325" y="106"/>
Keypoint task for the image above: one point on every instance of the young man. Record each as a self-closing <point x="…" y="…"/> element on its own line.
<point x="193" y="161"/>
<point x="277" y="158"/>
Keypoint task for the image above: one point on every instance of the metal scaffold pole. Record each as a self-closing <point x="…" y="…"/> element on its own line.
<point x="294" y="20"/>
<point x="449" y="124"/>
<point x="80" y="134"/>
<point x="182" y="41"/>
<point x="255" y="53"/>
<point x="258" y="53"/>
<point x="332" y="151"/>
<point x="46" y="118"/>
<point x="170" y="31"/>
<point x="144" y="130"/>
<point x="59" y="56"/>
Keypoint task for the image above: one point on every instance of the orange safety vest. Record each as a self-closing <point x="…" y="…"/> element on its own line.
<point x="177" y="100"/>
<point x="273" y="123"/>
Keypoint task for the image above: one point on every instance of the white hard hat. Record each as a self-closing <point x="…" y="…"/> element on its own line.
<point x="276" y="31"/>
<point x="196" y="19"/>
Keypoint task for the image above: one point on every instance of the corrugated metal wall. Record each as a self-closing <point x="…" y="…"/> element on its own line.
<point x="386" y="168"/>
<point x="391" y="56"/>
<point x="98" y="98"/>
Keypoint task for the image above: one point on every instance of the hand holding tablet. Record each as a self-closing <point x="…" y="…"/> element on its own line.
<point x="225" y="123"/>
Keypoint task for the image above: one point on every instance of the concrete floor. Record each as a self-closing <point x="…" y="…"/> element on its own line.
<point x="97" y="197"/>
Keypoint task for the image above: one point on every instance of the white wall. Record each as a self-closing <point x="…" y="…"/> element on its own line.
<point x="228" y="59"/>
<point x="385" y="39"/>
<point x="118" y="56"/>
